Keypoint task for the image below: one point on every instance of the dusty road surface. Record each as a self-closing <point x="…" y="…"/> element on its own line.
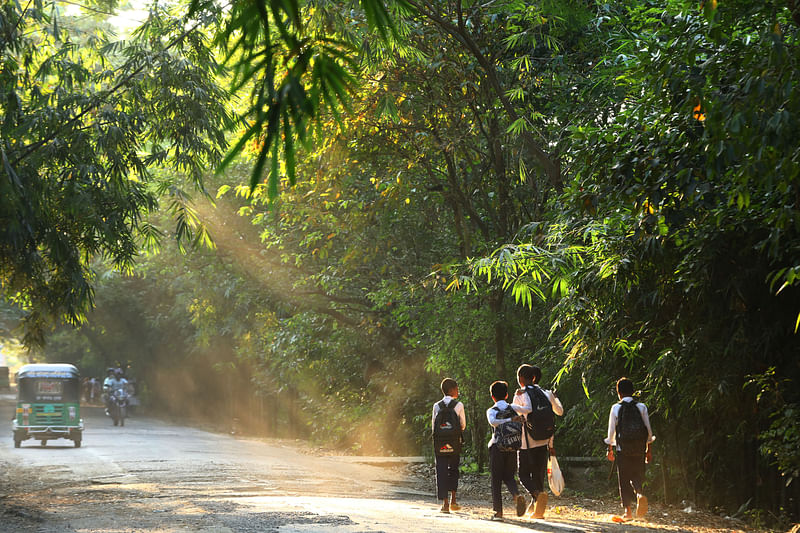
<point x="151" y="476"/>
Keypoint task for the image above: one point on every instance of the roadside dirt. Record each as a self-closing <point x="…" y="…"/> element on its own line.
<point x="158" y="477"/>
<point x="574" y="508"/>
<point x="225" y="499"/>
<point x="33" y="501"/>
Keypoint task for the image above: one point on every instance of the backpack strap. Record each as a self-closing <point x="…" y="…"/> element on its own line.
<point x="619" y="411"/>
<point x="452" y="405"/>
<point x="532" y="391"/>
<point x="501" y="410"/>
<point x="632" y="402"/>
<point x="525" y="425"/>
<point x="509" y="411"/>
<point x="540" y="392"/>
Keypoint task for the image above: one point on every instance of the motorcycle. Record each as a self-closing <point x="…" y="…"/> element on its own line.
<point x="119" y="407"/>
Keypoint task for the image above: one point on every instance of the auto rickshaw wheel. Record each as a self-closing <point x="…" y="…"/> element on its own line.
<point x="44" y="442"/>
<point x="17" y="443"/>
<point x="77" y="443"/>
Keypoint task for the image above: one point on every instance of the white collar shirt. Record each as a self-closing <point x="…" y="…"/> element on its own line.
<point x="523" y="401"/>
<point x="611" y="440"/>
<point x="459" y="409"/>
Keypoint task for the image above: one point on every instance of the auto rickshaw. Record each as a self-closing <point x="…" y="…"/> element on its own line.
<point x="48" y="404"/>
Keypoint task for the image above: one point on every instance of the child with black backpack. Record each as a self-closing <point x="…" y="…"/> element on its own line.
<point x="449" y="422"/>
<point x="503" y="448"/>
<point x="630" y="435"/>
<point x="539" y="407"/>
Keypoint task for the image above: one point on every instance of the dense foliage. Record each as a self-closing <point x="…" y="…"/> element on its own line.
<point x="85" y="121"/>
<point x="600" y="189"/>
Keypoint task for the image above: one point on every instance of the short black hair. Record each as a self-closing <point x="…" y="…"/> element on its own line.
<point x="499" y="390"/>
<point x="448" y="386"/>
<point x="527" y="372"/>
<point x="624" y="387"/>
<point x="537" y="374"/>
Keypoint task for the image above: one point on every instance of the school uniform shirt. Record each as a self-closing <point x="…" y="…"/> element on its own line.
<point x="491" y="415"/>
<point x="459" y="409"/>
<point x="612" y="422"/>
<point x="523" y="406"/>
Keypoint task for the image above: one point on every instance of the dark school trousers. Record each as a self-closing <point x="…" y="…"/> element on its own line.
<point x="502" y="468"/>
<point x="532" y="469"/>
<point x="446" y="475"/>
<point x="630" y="470"/>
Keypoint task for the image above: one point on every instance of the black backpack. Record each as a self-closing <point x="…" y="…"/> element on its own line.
<point x="447" y="430"/>
<point x="540" y="423"/>
<point x="508" y="436"/>
<point x="632" y="434"/>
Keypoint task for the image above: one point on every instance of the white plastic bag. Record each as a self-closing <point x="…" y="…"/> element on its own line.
<point x="554" y="476"/>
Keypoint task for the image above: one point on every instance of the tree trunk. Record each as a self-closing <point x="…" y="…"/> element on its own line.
<point x="496" y="305"/>
<point x="478" y="431"/>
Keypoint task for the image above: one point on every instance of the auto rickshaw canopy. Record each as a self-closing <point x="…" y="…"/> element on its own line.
<point x="48" y="370"/>
<point x="48" y="383"/>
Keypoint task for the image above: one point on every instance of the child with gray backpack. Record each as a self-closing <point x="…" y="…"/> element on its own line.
<point x="503" y="446"/>
<point x="629" y="438"/>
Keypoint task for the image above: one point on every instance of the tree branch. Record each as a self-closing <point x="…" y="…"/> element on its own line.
<point x="100" y="100"/>
<point x="551" y="167"/>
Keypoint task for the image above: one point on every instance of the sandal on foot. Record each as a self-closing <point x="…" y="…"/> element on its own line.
<point x="641" y="506"/>
<point x="520" y="501"/>
<point x="541" y="506"/>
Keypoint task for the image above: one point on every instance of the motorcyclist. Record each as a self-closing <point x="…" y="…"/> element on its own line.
<point x="115" y="381"/>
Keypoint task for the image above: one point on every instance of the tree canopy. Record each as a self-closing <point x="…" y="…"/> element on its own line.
<point x="86" y="122"/>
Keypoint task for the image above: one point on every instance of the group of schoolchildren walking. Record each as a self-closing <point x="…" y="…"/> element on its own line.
<point x="522" y="442"/>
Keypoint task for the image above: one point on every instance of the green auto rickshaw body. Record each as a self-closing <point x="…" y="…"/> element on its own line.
<point x="48" y="404"/>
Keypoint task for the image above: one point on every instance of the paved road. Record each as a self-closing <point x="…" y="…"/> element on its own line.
<point x="152" y="476"/>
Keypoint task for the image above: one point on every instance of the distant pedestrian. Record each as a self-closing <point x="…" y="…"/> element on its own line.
<point x="502" y="464"/>
<point x="92" y="388"/>
<point x="539" y="407"/>
<point x="448" y="422"/>
<point x="85" y="389"/>
<point x="629" y="438"/>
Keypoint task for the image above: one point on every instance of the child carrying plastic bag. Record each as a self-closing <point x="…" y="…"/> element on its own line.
<point x="554" y="476"/>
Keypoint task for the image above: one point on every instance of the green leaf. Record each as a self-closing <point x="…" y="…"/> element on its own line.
<point x="386" y="108"/>
<point x="288" y="149"/>
<point x="518" y="127"/>
<point x="272" y="186"/>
